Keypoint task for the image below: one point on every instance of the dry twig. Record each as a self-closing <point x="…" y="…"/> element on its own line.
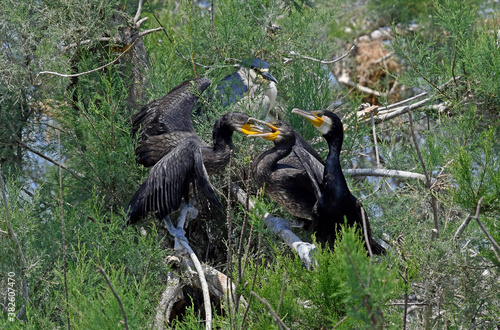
<point x="63" y="238"/>
<point x="276" y="318"/>
<point x="101" y="270"/>
<point x="428" y="182"/>
<point x="325" y="62"/>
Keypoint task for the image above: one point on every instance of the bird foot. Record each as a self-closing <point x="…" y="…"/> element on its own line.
<point x="188" y="212"/>
<point x="305" y="252"/>
<point x="177" y="232"/>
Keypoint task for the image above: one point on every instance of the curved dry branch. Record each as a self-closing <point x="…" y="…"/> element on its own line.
<point x="101" y="270"/>
<point x="324" y="62"/>
<point x="384" y="173"/>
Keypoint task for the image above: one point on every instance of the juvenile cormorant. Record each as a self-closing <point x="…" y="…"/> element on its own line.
<point x="336" y="201"/>
<point x="290" y="170"/>
<point x="181" y="161"/>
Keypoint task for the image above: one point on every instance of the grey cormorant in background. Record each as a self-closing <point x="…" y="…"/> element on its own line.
<point x="336" y="202"/>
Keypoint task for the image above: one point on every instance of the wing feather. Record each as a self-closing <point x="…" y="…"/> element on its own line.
<point x="170" y="180"/>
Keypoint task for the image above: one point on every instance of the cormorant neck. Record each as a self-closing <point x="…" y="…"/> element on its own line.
<point x="266" y="161"/>
<point x="334" y="183"/>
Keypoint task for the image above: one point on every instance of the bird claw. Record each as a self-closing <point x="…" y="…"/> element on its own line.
<point x="305" y="252"/>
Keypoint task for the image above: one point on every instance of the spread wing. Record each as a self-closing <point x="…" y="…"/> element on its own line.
<point x="164" y="123"/>
<point x="170" y="180"/>
<point x="171" y="112"/>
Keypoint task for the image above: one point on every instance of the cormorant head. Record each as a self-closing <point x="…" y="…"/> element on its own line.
<point x="325" y="121"/>
<point x="277" y="131"/>
<point x="259" y="70"/>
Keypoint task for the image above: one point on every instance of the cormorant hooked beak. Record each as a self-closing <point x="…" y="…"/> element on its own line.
<point x="322" y="123"/>
<point x="259" y="131"/>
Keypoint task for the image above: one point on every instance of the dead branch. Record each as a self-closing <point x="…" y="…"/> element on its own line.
<point x="282" y="228"/>
<point x="139" y="11"/>
<point x="325" y="62"/>
<point x="384" y="173"/>
<point x="101" y="270"/>
<point x="365" y="230"/>
<point x="219" y="285"/>
<point x="172" y="293"/>
<point x="428" y="182"/>
<point x="20" y="254"/>
<point x="90" y="71"/>
<point x="63" y="238"/>
<point x="496" y="247"/>
<point x="276" y="318"/>
<point x="464" y="224"/>
<point x="27" y="147"/>
<point x="344" y="79"/>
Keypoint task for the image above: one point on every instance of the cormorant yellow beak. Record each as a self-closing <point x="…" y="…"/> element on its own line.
<point x="314" y="116"/>
<point x="253" y="130"/>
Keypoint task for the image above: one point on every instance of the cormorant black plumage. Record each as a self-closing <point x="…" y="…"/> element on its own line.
<point x="286" y="169"/>
<point x="181" y="161"/>
<point x="336" y="202"/>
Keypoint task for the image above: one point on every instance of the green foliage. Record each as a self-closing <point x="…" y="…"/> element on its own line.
<point x="342" y="283"/>
<point x="453" y="279"/>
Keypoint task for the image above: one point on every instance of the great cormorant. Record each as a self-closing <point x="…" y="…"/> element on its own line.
<point x="181" y="161"/>
<point x="336" y="202"/>
<point x="290" y="170"/>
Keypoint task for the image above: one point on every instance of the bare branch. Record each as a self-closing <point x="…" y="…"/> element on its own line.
<point x="139" y="12"/>
<point x="139" y="22"/>
<point x="27" y="147"/>
<point x="324" y="62"/>
<point x="173" y="291"/>
<point x="384" y="173"/>
<point x="375" y="140"/>
<point x="143" y="33"/>
<point x="464" y="224"/>
<point x="496" y="247"/>
<point x="84" y="42"/>
<point x="203" y="281"/>
<point x="346" y="81"/>
<point x="365" y="231"/>
<point x="101" y="270"/>
<point x="427" y="176"/>
<point x="63" y="238"/>
<point x="93" y="70"/>
<point x="276" y="318"/>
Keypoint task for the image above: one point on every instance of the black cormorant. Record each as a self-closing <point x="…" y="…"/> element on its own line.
<point x="336" y="201"/>
<point x="181" y="161"/>
<point x="290" y="170"/>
